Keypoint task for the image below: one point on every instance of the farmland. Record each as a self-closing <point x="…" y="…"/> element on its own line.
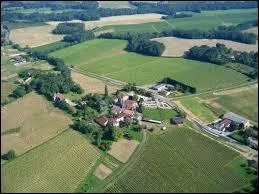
<point x="52" y="46"/>
<point x="190" y="158"/>
<point x="177" y="46"/>
<point x="6" y="90"/>
<point x="38" y="119"/>
<point x="34" y="36"/>
<point x="205" y="21"/>
<point x="113" y="61"/>
<point x="48" y="168"/>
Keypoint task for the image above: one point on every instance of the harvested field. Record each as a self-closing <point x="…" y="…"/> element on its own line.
<point x="9" y="76"/>
<point x="56" y="166"/>
<point x="252" y="30"/>
<point x="177" y="46"/>
<point x="122" y="149"/>
<point x="118" y="20"/>
<point x="34" y="36"/>
<point x="102" y="171"/>
<point x="91" y="85"/>
<point x="38" y="119"/>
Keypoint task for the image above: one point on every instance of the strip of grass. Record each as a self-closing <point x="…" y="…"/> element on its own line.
<point x="159" y="114"/>
<point x="51" y="47"/>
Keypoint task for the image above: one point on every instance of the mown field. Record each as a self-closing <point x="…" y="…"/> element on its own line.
<point x="37" y="120"/>
<point x="159" y="114"/>
<point x="244" y="103"/>
<point x="49" y="47"/>
<point x="205" y="20"/>
<point x="55" y="166"/>
<point x="199" y="110"/>
<point x="108" y="58"/>
<point x="182" y="160"/>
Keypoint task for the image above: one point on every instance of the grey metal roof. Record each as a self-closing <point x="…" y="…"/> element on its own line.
<point x="234" y="117"/>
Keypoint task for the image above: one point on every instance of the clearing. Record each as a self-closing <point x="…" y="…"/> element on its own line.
<point x="122" y="149"/>
<point x="115" y="4"/>
<point x="182" y="160"/>
<point x="102" y="171"/>
<point x="38" y="119"/>
<point x="177" y="46"/>
<point x="117" y="20"/>
<point x="91" y="85"/>
<point x="34" y="36"/>
<point x="114" y="62"/>
<point x="55" y="166"/>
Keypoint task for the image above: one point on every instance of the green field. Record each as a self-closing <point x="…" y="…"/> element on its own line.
<point x="108" y="58"/>
<point x="205" y="20"/>
<point x="55" y="166"/>
<point x="199" y="110"/>
<point x="182" y="160"/>
<point x="49" y="47"/>
<point x="244" y="103"/>
<point x="159" y="114"/>
<point x="17" y="25"/>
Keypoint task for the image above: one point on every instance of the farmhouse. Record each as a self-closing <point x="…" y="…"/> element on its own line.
<point x="116" y="110"/>
<point x="177" y="120"/>
<point x="221" y="126"/>
<point x="122" y="96"/>
<point x="58" y="97"/>
<point x="130" y="105"/>
<point x="236" y="118"/>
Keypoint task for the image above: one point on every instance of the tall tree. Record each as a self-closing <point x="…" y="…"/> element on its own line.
<point x="106" y="90"/>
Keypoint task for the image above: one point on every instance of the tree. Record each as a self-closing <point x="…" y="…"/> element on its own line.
<point x="105" y="145"/>
<point x="105" y="90"/>
<point x="233" y="126"/>
<point x="116" y="134"/>
<point x="9" y="155"/>
<point x="19" y="92"/>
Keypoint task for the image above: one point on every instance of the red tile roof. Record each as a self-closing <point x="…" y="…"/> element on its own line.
<point x="128" y="113"/>
<point x="102" y="120"/>
<point x="130" y="104"/>
<point x="116" y="110"/>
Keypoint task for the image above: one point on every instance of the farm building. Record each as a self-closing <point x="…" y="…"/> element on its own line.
<point x="122" y="96"/>
<point x="151" y="120"/>
<point x="164" y="92"/>
<point x="221" y="126"/>
<point x="236" y="118"/>
<point x="253" y="164"/>
<point x="130" y="105"/>
<point x="145" y="98"/>
<point x="102" y="120"/>
<point x="116" y="110"/>
<point x="150" y="104"/>
<point x="159" y="87"/>
<point x="177" y="120"/>
<point x="58" y="97"/>
<point x="28" y="79"/>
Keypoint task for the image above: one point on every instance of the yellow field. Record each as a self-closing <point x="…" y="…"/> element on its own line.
<point x="38" y="119"/>
<point x="55" y="166"/>
<point x="34" y="36"/>
<point x="177" y="46"/>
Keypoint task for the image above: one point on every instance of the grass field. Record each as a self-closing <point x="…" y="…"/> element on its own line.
<point x="244" y="103"/>
<point x="17" y="25"/>
<point x="159" y="114"/>
<point x="108" y="58"/>
<point x="49" y="47"/>
<point x="205" y="20"/>
<point x="55" y="166"/>
<point x="38" y="119"/>
<point x="199" y="110"/>
<point x="34" y="36"/>
<point x="178" y="46"/>
<point x="182" y="160"/>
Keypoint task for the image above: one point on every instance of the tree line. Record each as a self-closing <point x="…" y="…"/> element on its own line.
<point x="69" y="28"/>
<point x="178" y="86"/>
<point x="180" y="15"/>
<point x="93" y="12"/>
<point x="4" y="35"/>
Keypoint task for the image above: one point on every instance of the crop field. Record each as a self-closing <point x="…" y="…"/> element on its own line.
<point x="176" y="47"/>
<point x="38" y="119"/>
<point x="205" y="21"/>
<point x="55" y="166"/>
<point x="108" y="58"/>
<point x="34" y="36"/>
<point x="17" y="25"/>
<point x="244" y="103"/>
<point x="199" y="110"/>
<point x="91" y="85"/>
<point x="181" y="160"/>
<point x="118" y="20"/>
<point x="159" y="114"/>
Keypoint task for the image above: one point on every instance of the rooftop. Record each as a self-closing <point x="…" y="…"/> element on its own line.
<point x="234" y="117"/>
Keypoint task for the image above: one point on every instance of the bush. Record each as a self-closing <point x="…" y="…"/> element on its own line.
<point x="9" y="155"/>
<point x="19" y="92"/>
<point x="105" y="145"/>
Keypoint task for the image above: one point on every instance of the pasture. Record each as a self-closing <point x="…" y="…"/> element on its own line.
<point x="199" y="109"/>
<point x="108" y="58"/>
<point x="55" y="166"/>
<point x="204" y="21"/>
<point x="176" y="47"/>
<point x="159" y="114"/>
<point x="182" y="160"/>
<point x="243" y="102"/>
<point x="117" y="20"/>
<point x="34" y="36"/>
<point x="38" y="119"/>
<point x="91" y="85"/>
